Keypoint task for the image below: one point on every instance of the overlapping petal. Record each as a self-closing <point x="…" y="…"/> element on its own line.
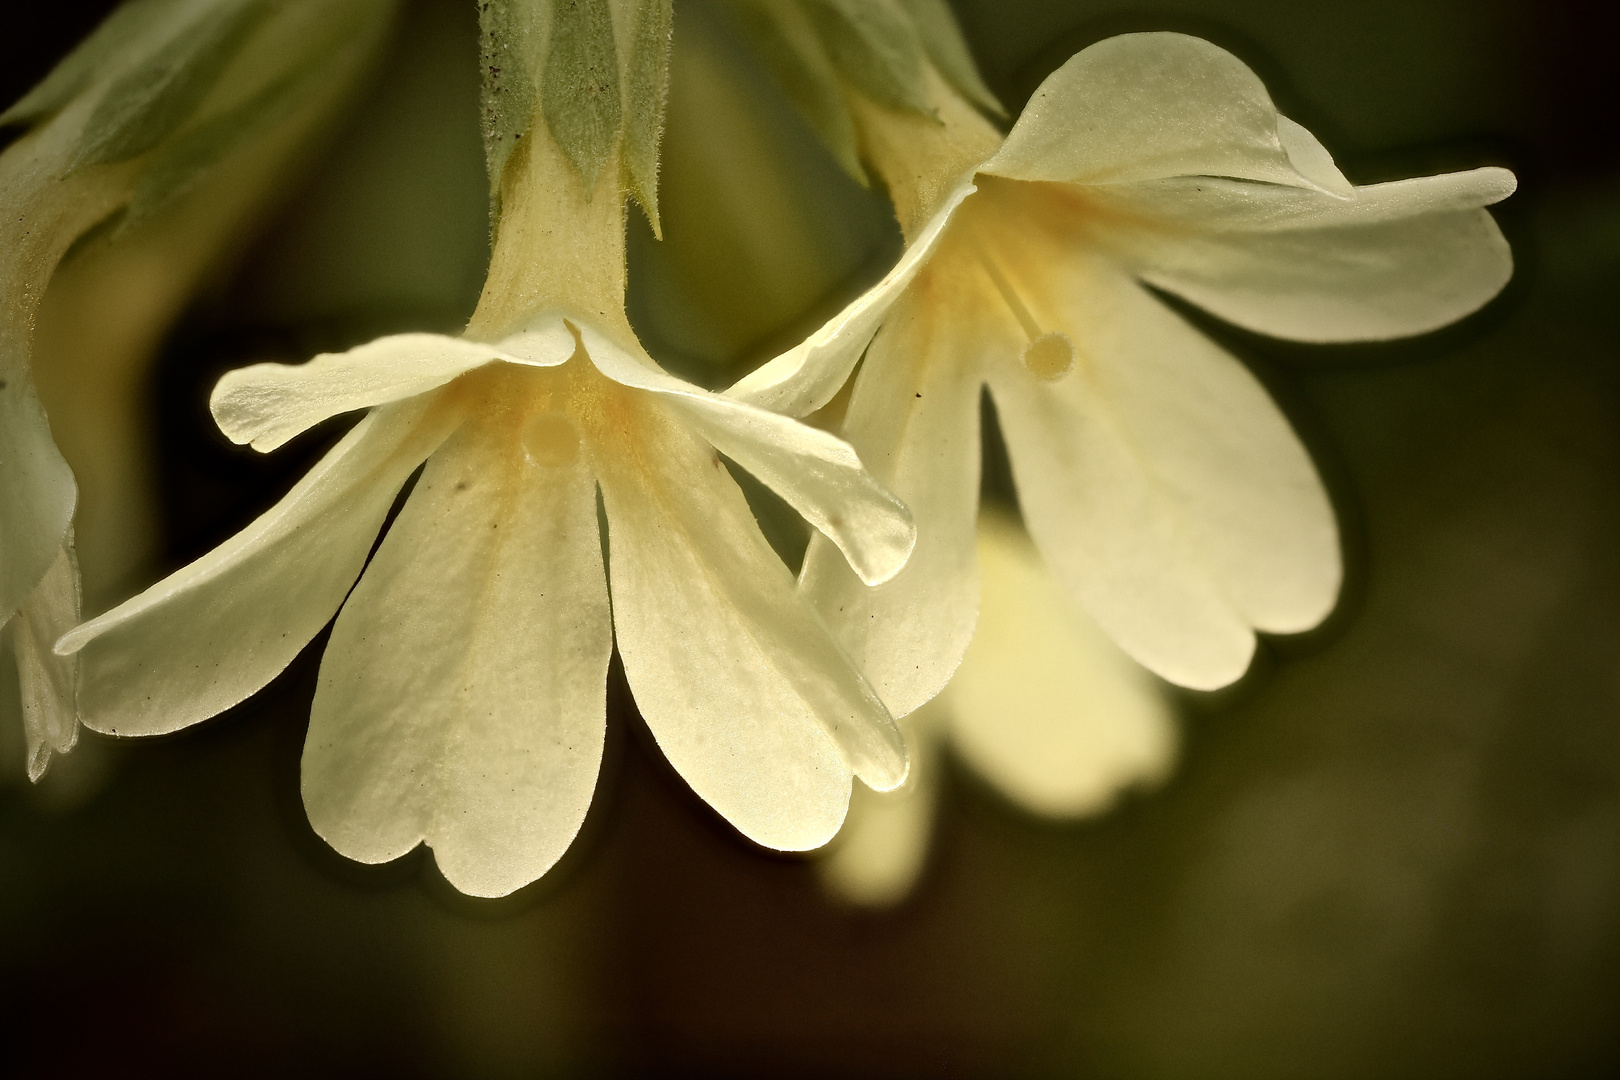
<point x="1397" y="259"/>
<point x="462" y="696"/>
<point x="214" y="632"/>
<point x="1045" y="706"/>
<point x="806" y="377"/>
<point x="914" y="417"/>
<point x="46" y="682"/>
<point x="1143" y="106"/>
<point x="745" y="690"/>
<point x="264" y="405"/>
<point x="818" y="474"/>
<point x="1164" y="487"/>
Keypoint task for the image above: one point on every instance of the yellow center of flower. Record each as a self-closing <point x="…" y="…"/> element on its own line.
<point x="550" y="439"/>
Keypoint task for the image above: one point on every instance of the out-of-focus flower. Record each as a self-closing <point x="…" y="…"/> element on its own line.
<point x="160" y="133"/>
<point x="1044" y="707"/>
<point x="1162" y="486"/>
<point x="461" y="699"/>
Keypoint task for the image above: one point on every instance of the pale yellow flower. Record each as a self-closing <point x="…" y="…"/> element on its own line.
<point x="1163" y="487"/>
<point x="461" y="699"/>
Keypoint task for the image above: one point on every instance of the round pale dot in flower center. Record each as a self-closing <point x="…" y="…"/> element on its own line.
<point x="1049" y="356"/>
<point x="550" y="439"/>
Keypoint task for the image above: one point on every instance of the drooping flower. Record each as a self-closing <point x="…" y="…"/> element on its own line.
<point x="1044" y="708"/>
<point x="127" y="136"/>
<point x="1161" y="484"/>
<point x="461" y="698"/>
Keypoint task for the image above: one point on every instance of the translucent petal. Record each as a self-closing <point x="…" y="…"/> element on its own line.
<point x="48" y="683"/>
<point x="740" y="683"/>
<point x="462" y="697"/>
<point x="1045" y="706"/>
<point x="818" y="474"/>
<point x="878" y="854"/>
<point x="1142" y="106"/>
<point x="806" y="377"/>
<point x="1163" y="486"/>
<point x="914" y="417"/>
<point x="214" y="632"/>
<point x="1398" y="259"/>
<point x="267" y="404"/>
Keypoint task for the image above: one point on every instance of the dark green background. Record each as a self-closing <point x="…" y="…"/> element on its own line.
<point x="1393" y="850"/>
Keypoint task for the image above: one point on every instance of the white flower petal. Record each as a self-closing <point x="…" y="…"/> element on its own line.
<point x="878" y="854"/>
<point x="1044" y="706"/>
<point x="1142" y="106"/>
<point x="818" y="474"/>
<point x="739" y="681"/>
<point x="914" y="417"/>
<point x="462" y="697"/>
<point x="37" y="492"/>
<point x="266" y="404"/>
<point x="214" y="632"/>
<point x="1398" y="259"/>
<point x="1164" y="487"/>
<point x="806" y="377"/>
<point x="47" y="682"/>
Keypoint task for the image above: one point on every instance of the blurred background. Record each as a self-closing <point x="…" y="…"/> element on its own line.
<point x="1392" y="850"/>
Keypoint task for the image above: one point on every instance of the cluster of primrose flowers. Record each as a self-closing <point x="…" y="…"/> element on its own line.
<point x="572" y="497"/>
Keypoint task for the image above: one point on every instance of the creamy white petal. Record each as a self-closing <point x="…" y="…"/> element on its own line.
<point x="806" y="377"/>
<point x="37" y="492"/>
<point x="878" y="854"/>
<point x="1164" y="487"/>
<point x="741" y="684"/>
<point x="214" y="632"/>
<point x="266" y="404"/>
<point x="914" y="418"/>
<point x="48" y="683"/>
<point x="818" y="474"/>
<point x="1398" y="259"/>
<point x="462" y="697"/>
<point x="1141" y="106"/>
<point x="1045" y="706"/>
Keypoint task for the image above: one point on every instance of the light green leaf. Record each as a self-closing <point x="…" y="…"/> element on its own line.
<point x="67" y="78"/>
<point x="942" y="40"/>
<point x="505" y="39"/>
<point x="645" y="95"/>
<point x="875" y="47"/>
<point x="787" y="44"/>
<point x="144" y="106"/>
<point x="579" y="90"/>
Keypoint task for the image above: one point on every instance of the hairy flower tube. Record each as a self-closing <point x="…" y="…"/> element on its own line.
<point x="1159" y="481"/>
<point x="162" y="132"/>
<point x="461" y="698"/>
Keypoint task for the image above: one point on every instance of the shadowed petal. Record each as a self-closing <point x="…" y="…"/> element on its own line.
<point x="214" y="632"/>
<point x="462" y="696"/>
<point x="36" y="489"/>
